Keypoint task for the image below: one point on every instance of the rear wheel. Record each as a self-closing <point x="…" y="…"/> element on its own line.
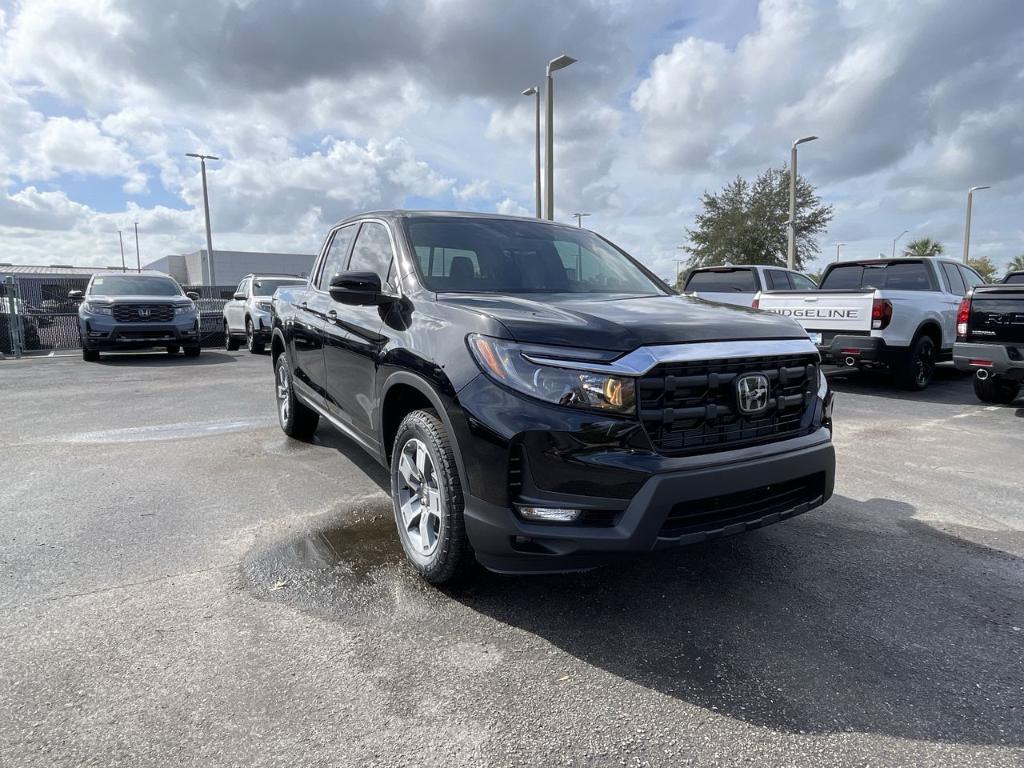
<point x="230" y="344"/>
<point x="296" y="419"/>
<point x="427" y="497"/>
<point x="256" y="347"/>
<point x="90" y="355"/>
<point x="996" y="390"/>
<point x="173" y="349"/>
<point x="919" y="367"/>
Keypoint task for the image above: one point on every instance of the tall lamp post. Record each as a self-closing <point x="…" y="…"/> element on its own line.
<point x="120" y="240"/>
<point x="967" y="224"/>
<point x="791" y="249"/>
<point x="534" y="91"/>
<point x="206" y="210"/>
<point x="554" y="65"/>
<point x="138" y="258"/>
<point x="901" y="234"/>
<point x="837" y="251"/>
<point x="579" y="219"/>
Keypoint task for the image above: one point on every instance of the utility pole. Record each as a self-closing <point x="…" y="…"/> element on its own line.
<point x="967" y="224"/>
<point x="138" y="258"/>
<point x="206" y="210"/>
<point x="791" y="250"/>
<point x="535" y="92"/>
<point x="554" y="65"/>
<point x="124" y="267"/>
<point x="837" y="251"/>
<point x="579" y="219"/>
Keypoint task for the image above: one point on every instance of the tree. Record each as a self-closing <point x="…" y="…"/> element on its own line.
<point x="924" y="247"/>
<point x="1016" y="264"/>
<point x="745" y="223"/>
<point x="983" y="266"/>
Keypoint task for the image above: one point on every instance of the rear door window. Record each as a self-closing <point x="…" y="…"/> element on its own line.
<point x="778" y="280"/>
<point x="953" y="278"/>
<point x="723" y="281"/>
<point x="971" y="277"/>
<point x="802" y="283"/>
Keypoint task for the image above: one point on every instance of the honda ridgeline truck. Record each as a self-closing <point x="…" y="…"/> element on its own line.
<point x="894" y="313"/>
<point x="990" y="340"/>
<point x="543" y="402"/>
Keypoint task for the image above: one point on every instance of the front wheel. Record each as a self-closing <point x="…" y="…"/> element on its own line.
<point x="996" y="390"/>
<point x="90" y="355"/>
<point x="173" y="349"/>
<point x="230" y="343"/>
<point x="296" y="419"/>
<point x="192" y="351"/>
<point x="917" y="370"/>
<point x="427" y="497"/>
<point x="256" y="347"/>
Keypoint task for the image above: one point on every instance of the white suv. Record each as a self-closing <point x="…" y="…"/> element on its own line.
<point x="247" y="314"/>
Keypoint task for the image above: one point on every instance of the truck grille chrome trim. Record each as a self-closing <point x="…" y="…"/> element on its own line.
<point x="643" y="359"/>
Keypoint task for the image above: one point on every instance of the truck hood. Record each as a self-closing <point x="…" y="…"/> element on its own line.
<point x="623" y="322"/>
<point x="101" y="299"/>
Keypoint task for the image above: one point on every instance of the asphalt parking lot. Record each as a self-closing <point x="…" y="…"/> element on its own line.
<point x="186" y="586"/>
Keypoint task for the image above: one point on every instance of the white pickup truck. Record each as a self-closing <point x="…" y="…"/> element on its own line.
<point x="897" y="313"/>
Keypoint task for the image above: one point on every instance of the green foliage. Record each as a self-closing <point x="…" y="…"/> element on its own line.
<point x="1016" y="264"/>
<point x="745" y="223"/>
<point x="983" y="266"/>
<point x="924" y="247"/>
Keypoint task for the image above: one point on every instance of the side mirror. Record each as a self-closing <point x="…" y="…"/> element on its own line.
<point x="357" y="288"/>
<point x="192" y="295"/>
<point x="238" y="296"/>
<point x="75" y="295"/>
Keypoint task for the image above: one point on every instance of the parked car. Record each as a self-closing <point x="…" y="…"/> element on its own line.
<point x="990" y="340"/>
<point x="28" y="323"/>
<point x="896" y="313"/>
<point x="738" y="284"/>
<point x="1014" y="278"/>
<point x="247" y="314"/>
<point x="136" y="311"/>
<point x="542" y="401"/>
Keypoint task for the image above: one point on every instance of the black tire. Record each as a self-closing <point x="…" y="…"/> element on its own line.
<point x="449" y="557"/>
<point x="90" y="355"/>
<point x="255" y="347"/>
<point x="192" y="351"/>
<point x="230" y="343"/>
<point x="917" y="370"/>
<point x="296" y="419"/>
<point x="173" y="349"/>
<point x="996" y="390"/>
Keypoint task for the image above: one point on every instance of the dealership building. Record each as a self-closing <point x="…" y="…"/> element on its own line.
<point x="229" y="267"/>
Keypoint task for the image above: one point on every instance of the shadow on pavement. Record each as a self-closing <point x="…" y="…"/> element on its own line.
<point x="163" y="359"/>
<point x="328" y="436"/>
<point x="854" y="618"/>
<point x="949" y="386"/>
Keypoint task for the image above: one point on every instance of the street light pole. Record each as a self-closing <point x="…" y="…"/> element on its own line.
<point x="121" y="241"/>
<point x="554" y="65"/>
<point x="791" y="248"/>
<point x="901" y="234"/>
<point x="138" y="258"/>
<point x="837" y="251"/>
<point x="535" y="92"/>
<point x="967" y="223"/>
<point x="206" y="210"/>
<point x="579" y="219"/>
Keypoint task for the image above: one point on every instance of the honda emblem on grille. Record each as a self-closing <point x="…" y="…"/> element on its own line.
<point x="752" y="393"/>
<point x="144" y="312"/>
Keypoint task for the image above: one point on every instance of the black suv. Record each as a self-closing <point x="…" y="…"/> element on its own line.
<point x="544" y="402"/>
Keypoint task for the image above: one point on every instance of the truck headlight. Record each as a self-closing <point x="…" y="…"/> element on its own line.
<point x="97" y="309"/>
<point x="185" y="309"/>
<point x="503" y="361"/>
<point x="265" y="306"/>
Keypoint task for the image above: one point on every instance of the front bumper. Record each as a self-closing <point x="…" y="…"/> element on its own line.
<point x="729" y="496"/>
<point x="102" y="333"/>
<point x="1002" y="360"/>
<point x="262" y="325"/>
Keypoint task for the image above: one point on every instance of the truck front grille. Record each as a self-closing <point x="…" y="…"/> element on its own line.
<point x="143" y="313"/>
<point x="693" y="407"/>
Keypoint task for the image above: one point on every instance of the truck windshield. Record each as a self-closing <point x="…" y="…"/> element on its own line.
<point x="723" y="281"/>
<point x="896" y="276"/>
<point x="134" y="285"/>
<point x="508" y="256"/>
<point x="265" y="286"/>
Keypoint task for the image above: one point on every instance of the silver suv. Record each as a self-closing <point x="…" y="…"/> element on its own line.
<point x="247" y="315"/>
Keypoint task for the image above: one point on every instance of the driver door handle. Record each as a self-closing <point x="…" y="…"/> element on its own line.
<point x="332" y="316"/>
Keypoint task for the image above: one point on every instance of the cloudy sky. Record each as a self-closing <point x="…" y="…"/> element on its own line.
<point x="321" y="108"/>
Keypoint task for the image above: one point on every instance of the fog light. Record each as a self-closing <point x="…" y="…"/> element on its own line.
<point x="549" y="514"/>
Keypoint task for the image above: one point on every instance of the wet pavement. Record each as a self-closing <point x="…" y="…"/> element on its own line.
<point x="185" y="585"/>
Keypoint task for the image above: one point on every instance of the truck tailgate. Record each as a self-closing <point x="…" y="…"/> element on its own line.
<point x="823" y="311"/>
<point x="997" y="314"/>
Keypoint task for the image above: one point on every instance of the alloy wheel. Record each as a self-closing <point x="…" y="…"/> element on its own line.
<point x="283" y="394"/>
<point x="419" y="497"/>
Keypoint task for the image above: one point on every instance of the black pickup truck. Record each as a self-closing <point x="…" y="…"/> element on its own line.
<point x="990" y="340"/>
<point x="543" y="402"/>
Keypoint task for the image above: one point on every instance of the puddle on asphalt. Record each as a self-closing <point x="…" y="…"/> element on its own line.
<point x="367" y="542"/>
<point x="167" y="431"/>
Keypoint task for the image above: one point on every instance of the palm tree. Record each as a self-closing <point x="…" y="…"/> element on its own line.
<point x="1016" y="264"/>
<point x="923" y="247"/>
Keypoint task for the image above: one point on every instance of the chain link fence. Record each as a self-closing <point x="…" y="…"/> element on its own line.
<point x="36" y="315"/>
